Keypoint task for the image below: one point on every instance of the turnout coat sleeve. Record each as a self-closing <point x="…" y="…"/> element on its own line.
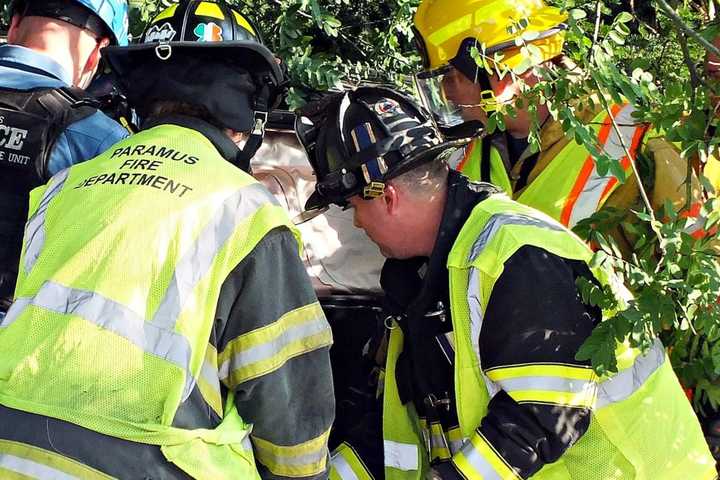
<point x="535" y="318"/>
<point x="274" y="339"/>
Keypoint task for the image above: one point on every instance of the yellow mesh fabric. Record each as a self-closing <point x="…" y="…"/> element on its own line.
<point x="652" y="434"/>
<point x="126" y="254"/>
<point x="659" y="429"/>
<point x="606" y="461"/>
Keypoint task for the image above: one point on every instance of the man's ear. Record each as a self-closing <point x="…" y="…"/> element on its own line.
<point x="94" y="59"/>
<point x="391" y="199"/>
<point x="13" y="30"/>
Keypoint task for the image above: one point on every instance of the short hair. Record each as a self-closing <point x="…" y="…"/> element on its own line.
<point x="426" y="179"/>
<point x="68" y="11"/>
<point x="163" y="108"/>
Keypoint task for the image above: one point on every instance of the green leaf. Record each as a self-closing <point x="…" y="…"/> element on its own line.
<point x="616" y="37"/>
<point x="624" y="17"/>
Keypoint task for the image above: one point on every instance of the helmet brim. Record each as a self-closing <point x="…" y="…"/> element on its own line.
<point x="246" y="54"/>
<point x="318" y="201"/>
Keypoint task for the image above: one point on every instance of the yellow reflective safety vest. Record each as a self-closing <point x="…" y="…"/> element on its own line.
<point x="569" y="188"/>
<point x="122" y="265"/>
<point x="642" y="426"/>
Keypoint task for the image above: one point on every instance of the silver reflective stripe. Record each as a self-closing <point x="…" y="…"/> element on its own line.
<point x="111" y="316"/>
<point x="697" y="226"/>
<point x="438" y="441"/>
<point x="265" y="351"/>
<point x="209" y="373"/>
<point x="629" y="381"/>
<point x="198" y="259"/>
<point x="475" y="303"/>
<point x="479" y="463"/>
<point x="268" y="456"/>
<point x="35" y="228"/>
<point x="32" y="469"/>
<point x="403" y="456"/>
<point x="551" y="384"/>
<point x="456" y="446"/>
<point x="500" y="220"/>
<point x="589" y="199"/>
<point x="15" y="310"/>
<point x="474" y="296"/>
<point x="246" y="443"/>
<point x="342" y="468"/>
<point x="157" y="337"/>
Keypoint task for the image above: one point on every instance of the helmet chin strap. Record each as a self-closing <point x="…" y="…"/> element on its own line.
<point x="253" y="143"/>
<point x="255" y="139"/>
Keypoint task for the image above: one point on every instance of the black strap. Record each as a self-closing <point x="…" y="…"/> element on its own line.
<point x="64" y="106"/>
<point x="485" y="161"/>
<point x="254" y="142"/>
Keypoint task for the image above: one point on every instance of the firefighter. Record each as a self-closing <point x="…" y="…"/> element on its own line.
<point x="164" y="325"/>
<point x="481" y="379"/>
<point x="561" y="179"/>
<point x="46" y="124"/>
<point x="712" y="70"/>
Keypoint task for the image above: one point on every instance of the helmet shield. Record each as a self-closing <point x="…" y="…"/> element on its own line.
<point x="457" y="104"/>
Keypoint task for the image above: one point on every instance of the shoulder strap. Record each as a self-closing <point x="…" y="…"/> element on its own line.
<point x="485" y="161"/>
<point x="63" y="107"/>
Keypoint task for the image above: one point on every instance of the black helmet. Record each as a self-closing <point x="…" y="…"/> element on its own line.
<point x="206" y="53"/>
<point x="358" y="140"/>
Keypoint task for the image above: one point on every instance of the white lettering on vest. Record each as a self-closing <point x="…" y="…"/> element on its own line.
<point x="12" y="138"/>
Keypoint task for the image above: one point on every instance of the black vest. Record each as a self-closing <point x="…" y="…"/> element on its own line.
<point x="30" y="123"/>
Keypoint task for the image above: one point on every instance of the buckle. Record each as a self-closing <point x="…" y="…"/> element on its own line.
<point x="163" y="51"/>
<point x="260" y="121"/>
<point x="488" y="101"/>
<point x="374" y="190"/>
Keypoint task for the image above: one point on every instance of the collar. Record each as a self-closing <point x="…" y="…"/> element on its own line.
<point x="217" y="137"/>
<point x="462" y="197"/>
<point x="27" y="59"/>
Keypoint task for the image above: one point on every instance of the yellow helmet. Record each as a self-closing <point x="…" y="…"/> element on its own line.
<point x="445" y="25"/>
<point x="446" y="31"/>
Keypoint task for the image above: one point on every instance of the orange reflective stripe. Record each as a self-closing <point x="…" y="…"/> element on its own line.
<point x="697" y="230"/>
<point x="586" y="171"/>
<point x="468" y="154"/>
<point x="591" y="189"/>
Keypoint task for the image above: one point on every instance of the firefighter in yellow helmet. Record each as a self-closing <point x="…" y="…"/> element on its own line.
<point x="561" y="179"/>
<point x="712" y="69"/>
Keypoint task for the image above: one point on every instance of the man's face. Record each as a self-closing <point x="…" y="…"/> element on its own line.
<point x="464" y="93"/>
<point x="372" y="216"/>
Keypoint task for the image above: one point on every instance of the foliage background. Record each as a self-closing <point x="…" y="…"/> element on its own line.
<point x="629" y="48"/>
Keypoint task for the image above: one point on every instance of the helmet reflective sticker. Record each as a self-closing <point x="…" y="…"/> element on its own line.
<point x="387" y="107"/>
<point x="164" y="33"/>
<point x="208" y="32"/>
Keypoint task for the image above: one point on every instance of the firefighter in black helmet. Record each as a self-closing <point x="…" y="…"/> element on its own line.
<point x="208" y="55"/>
<point x="485" y="322"/>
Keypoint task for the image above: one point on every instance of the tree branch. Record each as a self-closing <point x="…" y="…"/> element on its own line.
<point x="636" y="173"/>
<point x="668" y="10"/>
